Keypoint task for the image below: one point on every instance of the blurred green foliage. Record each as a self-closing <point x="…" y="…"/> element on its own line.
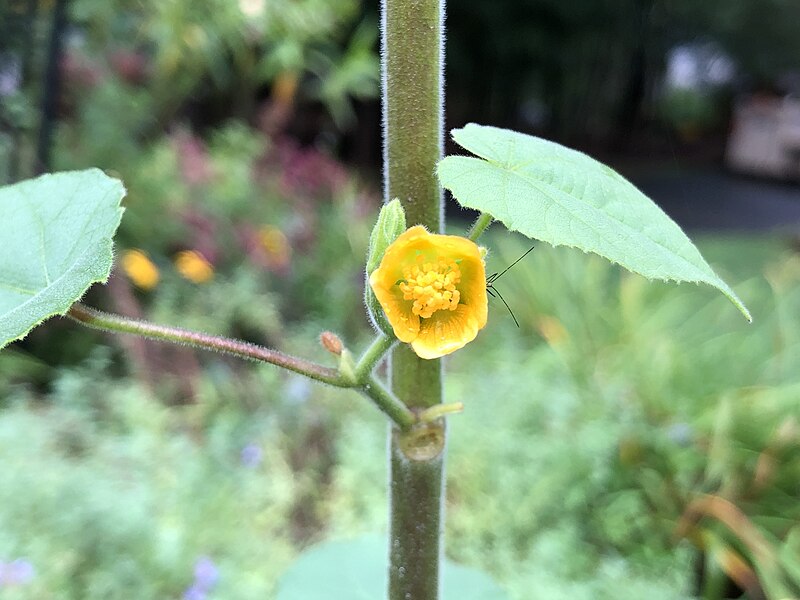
<point x="645" y="399"/>
<point x="129" y="70"/>
<point x="690" y="111"/>
<point x="636" y="400"/>
<point x="586" y="437"/>
<point x="250" y="204"/>
<point x="228" y="50"/>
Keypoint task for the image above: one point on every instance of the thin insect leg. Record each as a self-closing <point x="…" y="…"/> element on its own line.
<point x="499" y="295"/>
<point x="494" y="293"/>
<point x="495" y="277"/>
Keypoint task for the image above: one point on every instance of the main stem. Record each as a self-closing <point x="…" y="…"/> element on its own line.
<point x="412" y="52"/>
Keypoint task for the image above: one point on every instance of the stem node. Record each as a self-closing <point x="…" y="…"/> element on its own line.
<point x="424" y="441"/>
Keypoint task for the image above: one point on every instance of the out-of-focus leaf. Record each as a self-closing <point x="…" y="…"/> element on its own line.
<point x="730" y="562"/>
<point x="763" y="555"/>
<point x="356" y="570"/>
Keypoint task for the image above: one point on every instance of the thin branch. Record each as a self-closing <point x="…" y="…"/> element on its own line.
<point x="387" y="402"/>
<point x="372" y="355"/>
<point x="119" y="324"/>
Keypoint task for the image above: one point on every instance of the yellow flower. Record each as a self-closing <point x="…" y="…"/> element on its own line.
<point x="139" y="269"/>
<point x="433" y="291"/>
<point x="192" y="266"/>
<point x="276" y="246"/>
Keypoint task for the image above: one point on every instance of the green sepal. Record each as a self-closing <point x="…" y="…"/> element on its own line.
<point x="391" y="223"/>
<point x="376" y="313"/>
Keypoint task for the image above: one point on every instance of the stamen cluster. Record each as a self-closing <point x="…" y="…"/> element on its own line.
<point x="431" y="285"/>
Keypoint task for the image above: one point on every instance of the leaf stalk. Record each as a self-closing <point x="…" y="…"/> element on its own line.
<point x="118" y="324"/>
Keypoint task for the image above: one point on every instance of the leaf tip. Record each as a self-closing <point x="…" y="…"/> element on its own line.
<point x="731" y="295"/>
<point x="743" y="309"/>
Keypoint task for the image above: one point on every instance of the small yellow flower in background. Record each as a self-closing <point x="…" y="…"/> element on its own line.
<point x="192" y="266"/>
<point x="433" y="290"/>
<point x="276" y="245"/>
<point x="552" y="330"/>
<point x="139" y="269"/>
<point x="284" y="88"/>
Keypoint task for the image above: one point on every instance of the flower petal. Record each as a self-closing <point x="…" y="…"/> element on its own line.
<point x="405" y="324"/>
<point x="446" y="332"/>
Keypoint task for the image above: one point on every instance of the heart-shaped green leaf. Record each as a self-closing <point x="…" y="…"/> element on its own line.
<point x="356" y="570"/>
<point x="563" y="197"/>
<point x="56" y="232"/>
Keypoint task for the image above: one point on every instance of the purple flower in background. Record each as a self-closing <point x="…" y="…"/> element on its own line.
<point x="251" y="455"/>
<point x="206" y="573"/>
<point x="10" y="74"/>
<point x="680" y="434"/>
<point x="298" y="390"/>
<point x="195" y="592"/>
<point x="18" y="572"/>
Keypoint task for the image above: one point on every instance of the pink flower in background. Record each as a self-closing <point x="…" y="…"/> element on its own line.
<point x="80" y="71"/>
<point x="131" y="66"/>
<point x="307" y="170"/>
<point x="194" y="162"/>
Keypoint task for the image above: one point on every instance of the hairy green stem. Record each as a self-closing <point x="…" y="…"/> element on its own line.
<point x="119" y="324"/>
<point x="372" y="355"/>
<point x="412" y="76"/>
<point x="479" y="226"/>
<point x="412" y="52"/>
<point x="387" y="402"/>
<point x="365" y="383"/>
<point x="416" y="527"/>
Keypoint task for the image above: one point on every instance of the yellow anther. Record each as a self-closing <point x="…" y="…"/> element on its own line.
<point x="431" y="285"/>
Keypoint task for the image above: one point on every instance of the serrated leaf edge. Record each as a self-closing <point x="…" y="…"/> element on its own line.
<point x="716" y="282"/>
<point x="99" y="274"/>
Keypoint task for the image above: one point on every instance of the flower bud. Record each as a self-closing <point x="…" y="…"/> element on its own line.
<point x="331" y="342"/>
<point x="391" y="223"/>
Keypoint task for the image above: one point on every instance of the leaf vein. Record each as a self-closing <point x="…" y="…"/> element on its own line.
<point x="17" y="288"/>
<point x="630" y="230"/>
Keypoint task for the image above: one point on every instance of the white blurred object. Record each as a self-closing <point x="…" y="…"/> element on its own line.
<point x="765" y="137"/>
<point x="10" y="74"/>
<point x="698" y="66"/>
